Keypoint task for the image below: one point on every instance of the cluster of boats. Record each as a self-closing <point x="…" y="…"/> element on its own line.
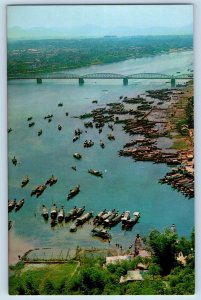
<point x="88" y="143"/>
<point x="112" y="218"/>
<point x="14" y="204"/>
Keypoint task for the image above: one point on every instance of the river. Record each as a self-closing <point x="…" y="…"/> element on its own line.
<point x="126" y="185"/>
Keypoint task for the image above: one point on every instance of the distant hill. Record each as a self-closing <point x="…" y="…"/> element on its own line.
<point x="18" y="33"/>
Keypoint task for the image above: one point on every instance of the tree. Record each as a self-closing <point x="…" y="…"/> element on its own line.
<point x="154" y="270"/>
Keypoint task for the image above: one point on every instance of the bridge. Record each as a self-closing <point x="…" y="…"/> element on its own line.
<point x="82" y="78"/>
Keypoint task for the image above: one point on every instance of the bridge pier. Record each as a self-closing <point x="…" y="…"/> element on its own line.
<point x="173" y="82"/>
<point x="125" y="81"/>
<point x="81" y="81"/>
<point x="39" y="80"/>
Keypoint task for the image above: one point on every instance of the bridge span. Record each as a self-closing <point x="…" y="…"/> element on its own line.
<point x="125" y="78"/>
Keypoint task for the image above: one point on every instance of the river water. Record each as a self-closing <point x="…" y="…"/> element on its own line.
<point x="126" y="185"/>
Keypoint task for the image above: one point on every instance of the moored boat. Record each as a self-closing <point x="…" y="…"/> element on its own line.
<point x="53" y="212"/>
<point x="95" y="172"/>
<point x="19" y="204"/>
<point x="61" y="214"/>
<point x="79" y="212"/>
<point x="125" y="217"/>
<point x="132" y="221"/>
<point x="102" y="233"/>
<point x="45" y="212"/>
<point x="84" y="218"/>
<point x="73" y="192"/>
<point x="97" y="217"/>
<point x="25" y="181"/>
<point x="73" y="227"/>
<point x="11" y="205"/>
<point x="116" y="220"/>
<point x="9" y="225"/>
<point x="70" y="214"/>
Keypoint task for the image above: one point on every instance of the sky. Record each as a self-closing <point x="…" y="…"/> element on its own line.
<point x="141" y="16"/>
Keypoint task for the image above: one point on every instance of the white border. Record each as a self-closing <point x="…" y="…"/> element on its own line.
<point x="3" y="143"/>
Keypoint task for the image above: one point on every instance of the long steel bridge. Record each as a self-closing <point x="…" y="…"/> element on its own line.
<point x="82" y="78"/>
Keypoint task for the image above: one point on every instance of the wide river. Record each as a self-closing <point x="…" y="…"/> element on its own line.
<point x="126" y="185"/>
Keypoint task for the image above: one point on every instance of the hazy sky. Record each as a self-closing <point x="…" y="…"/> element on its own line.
<point x="142" y="16"/>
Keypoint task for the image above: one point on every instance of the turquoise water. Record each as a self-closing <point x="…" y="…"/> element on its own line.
<point x="126" y="185"/>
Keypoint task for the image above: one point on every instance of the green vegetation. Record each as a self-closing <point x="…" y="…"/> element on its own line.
<point x="43" y="56"/>
<point x="165" y="275"/>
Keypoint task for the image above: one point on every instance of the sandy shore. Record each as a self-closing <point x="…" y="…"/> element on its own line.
<point x="16" y="246"/>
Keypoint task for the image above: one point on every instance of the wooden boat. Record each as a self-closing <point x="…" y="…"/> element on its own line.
<point x="102" y="233"/>
<point x="11" y="205"/>
<point x="38" y="190"/>
<point x="75" y="138"/>
<point x="84" y="218"/>
<point x="88" y="144"/>
<point x="102" y="145"/>
<point x="104" y="217"/>
<point x="110" y="136"/>
<point x="74" y="168"/>
<point x="25" y="181"/>
<point x="29" y="119"/>
<point x="70" y="214"/>
<point x="125" y="217"/>
<point x="73" y="227"/>
<point x="9" y="225"/>
<point x="96" y="173"/>
<point x="97" y="217"/>
<point x="77" y="155"/>
<point x="61" y="214"/>
<point x="31" y="124"/>
<point x="19" y="205"/>
<point x="53" y="212"/>
<point x="110" y="218"/>
<point x="79" y="212"/>
<point x="9" y="130"/>
<point x="116" y="220"/>
<point x="40" y="132"/>
<point x="59" y="127"/>
<point x="14" y="160"/>
<point x="131" y="222"/>
<point x="60" y="104"/>
<point x="48" y="116"/>
<point x="52" y="180"/>
<point x="45" y="212"/>
<point x="73" y="192"/>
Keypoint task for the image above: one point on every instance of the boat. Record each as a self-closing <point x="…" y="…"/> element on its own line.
<point x="14" y="160"/>
<point x="29" y="118"/>
<point x="104" y="216"/>
<point x="84" y="218"/>
<point x="9" y="225"/>
<point x="25" y="181"/>
<point x="48" y="116"/>
<point x="94" y="101"/>
<point x="73" y="227"/>
<point x="11" y="205"/>
<point x="116" y="220"/>
<point x="19" y="205"/>
<point x="88" y="144"/>
<point x="40" y="132"/>
<point x="110" y="218"/>
<point x="73" y="192"/>
<point x="45" y="212"/>
<point x="96" y="173"/>
<point x="70" y="214"/>
<point x="110" y="136"/>
<point x="79" y="212"/>
<point x="61" y="214"/>
<point x="59" y="127"/>
<point x="38" y="190"/>
<point x="74" y="168"/>
<point x="102" y="233"/>
<point x="31" y="124"/>
<point x="77" y="155"/>
<point x="102" y="145"/>
<point x="52" y="180"/>
<point x="131" y="222"/>
<point x="75" y="138"/>
<point x="97" y="217"/>
<point x="60" y="104"/>
<point x="125" y="217"/>
<point x="53" y="212"/>
<point x="9" y="130"/>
